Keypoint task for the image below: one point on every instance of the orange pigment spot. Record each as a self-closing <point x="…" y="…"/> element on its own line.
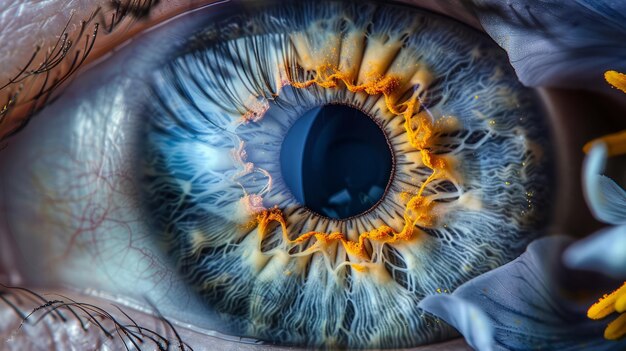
<point x="420" y="130"/>
<point x="256" y="107"/>
<point x="359" y="267"/>
<point x="253" y="203"/>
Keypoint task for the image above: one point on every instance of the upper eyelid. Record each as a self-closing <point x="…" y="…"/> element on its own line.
<point x="37" y="73"/>
<point x="126" y="18"/>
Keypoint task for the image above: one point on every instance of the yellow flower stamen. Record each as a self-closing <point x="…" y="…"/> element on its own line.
<point x="616" y="301"/>
<point x="616" y="329"/>
<point x="616" y="142"/>
<point x="609" y="304"/>
<point x="616" y="79"/>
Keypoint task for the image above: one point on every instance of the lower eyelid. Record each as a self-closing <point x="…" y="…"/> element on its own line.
<point x="85" y="318"/>
<point x="63" y="303"/>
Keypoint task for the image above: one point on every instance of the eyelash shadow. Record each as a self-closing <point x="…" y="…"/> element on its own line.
<point x="61" y="311"/>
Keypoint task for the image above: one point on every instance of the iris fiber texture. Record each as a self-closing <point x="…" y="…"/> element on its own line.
<point x="217" y="121"/>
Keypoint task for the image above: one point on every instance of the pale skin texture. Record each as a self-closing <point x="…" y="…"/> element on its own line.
<point x="26" y="24"/>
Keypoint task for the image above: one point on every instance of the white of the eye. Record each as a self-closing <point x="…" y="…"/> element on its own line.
<point x="70" y="168"/>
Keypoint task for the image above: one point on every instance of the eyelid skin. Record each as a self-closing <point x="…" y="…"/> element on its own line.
<point x="181" y="336"/>
<point x="33" y="33"/>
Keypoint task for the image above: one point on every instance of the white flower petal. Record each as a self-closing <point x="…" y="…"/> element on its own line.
<point x="562" y="43"/>
<point x="463" y="315"/>
<point x="603" y="252"/>
<point x="528" y="308"/>
<point x="606" y="199"/>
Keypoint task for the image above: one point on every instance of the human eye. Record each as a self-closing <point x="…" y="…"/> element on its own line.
<point x="297" y="173"/>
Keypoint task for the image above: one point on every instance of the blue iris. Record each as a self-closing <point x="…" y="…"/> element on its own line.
<point x="230" y="132"/>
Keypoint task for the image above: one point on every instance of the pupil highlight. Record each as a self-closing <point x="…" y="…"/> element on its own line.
<point x="336" y="161"/>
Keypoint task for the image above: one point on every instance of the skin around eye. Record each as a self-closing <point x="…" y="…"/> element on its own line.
<point x="56" y="38"/>
<point x="74" y="139"/>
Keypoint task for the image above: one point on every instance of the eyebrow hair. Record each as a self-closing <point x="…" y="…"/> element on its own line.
<point x="74" y="49"/>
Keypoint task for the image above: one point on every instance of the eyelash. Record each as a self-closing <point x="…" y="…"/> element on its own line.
<point x="128" y="332"/>
<point x="59" y="53"/>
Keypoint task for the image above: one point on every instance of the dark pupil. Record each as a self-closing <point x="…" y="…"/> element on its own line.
<point x="336" y="161"/>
